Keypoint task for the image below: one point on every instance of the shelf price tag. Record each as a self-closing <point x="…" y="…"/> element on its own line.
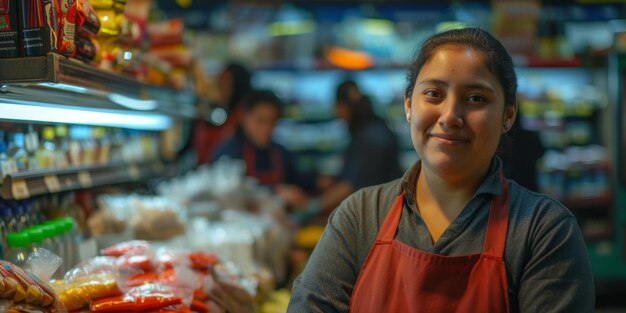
<point x="20" y="190"/>
<point x="52" y="183"/>
<point x="133" y="172"/>
<point x="84" y="179"/>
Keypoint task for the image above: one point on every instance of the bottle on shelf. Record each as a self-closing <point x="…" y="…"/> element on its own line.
<point x="36" y="212"/>
<point x="75" y="149"/>
<point x="32" y="145"/>
<point x="12" y="220"/>
<point x="17" y="153"/>
<point x="88" y="146"/>
<point x="58" y="241"/>
<point x="21" y="215"/>
<point x="4" y="158"/>
<point x="72" y="240"/>
<point x="46" y="151"/>
<point x="36" y="236"/>
<point x="103" y="146"/>
<point x="19" y="244"/>
<point x="62" y="146"/>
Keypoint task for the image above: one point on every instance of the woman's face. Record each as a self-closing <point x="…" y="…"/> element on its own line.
<point x="457" y="112"/>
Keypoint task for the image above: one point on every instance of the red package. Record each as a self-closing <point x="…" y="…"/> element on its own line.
<point x="67" y="17"/>
<point x="202" y="260"/>
<point x="141" y="279"/>
<point x="133" y="304"/>
<point x="135" y="261"/>
<point x="129" y="247"/>
<point x="87" y="21"/>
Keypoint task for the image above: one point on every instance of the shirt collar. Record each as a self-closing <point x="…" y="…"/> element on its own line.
<point x="490" y="185"/>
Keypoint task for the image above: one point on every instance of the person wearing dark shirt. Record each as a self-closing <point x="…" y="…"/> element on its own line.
<point x="453" y="234"/>
<point x="265" y="160"/>
<point x="372" y="156"/>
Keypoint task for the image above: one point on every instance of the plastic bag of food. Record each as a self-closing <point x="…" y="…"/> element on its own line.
<point x="130" y="247"/>
<point x="141" y="298"/>
<point x="94" y="279"/>
<point x="157" y="218"/>
<point x="19" y="286"/>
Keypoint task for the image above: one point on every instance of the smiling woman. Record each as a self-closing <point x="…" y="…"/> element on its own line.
<point x="453" y="234"/>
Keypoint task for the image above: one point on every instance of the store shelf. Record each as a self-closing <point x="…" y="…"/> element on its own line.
<point x="35" y="183"/>
<point x="57" y="80"/>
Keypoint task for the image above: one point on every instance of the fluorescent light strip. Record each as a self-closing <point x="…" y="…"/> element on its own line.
<point x="142" y="121"/>
<point x="65" y="87"/>
<point x="132" y="103"/>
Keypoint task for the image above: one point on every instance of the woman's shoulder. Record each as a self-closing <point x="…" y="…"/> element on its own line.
<point x="369" y="205"/>
<point x="533" y="210"/>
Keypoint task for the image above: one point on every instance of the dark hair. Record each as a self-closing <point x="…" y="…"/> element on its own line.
<point x="241" y="83"/>
<point x="496" y="58"/>
<point x="255" y="98"/>
<point x="347" y="91"/>
<point x="361" y="112"/>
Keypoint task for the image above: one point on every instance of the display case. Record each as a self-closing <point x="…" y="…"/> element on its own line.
<point x="56" y="90"/>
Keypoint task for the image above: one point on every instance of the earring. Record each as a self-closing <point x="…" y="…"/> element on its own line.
<point x="506" y="126"/>
<point x="408" y="117"/>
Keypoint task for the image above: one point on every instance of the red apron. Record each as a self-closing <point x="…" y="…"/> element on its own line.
<point x="398" y="278"/>
<point x="272" y="176"/>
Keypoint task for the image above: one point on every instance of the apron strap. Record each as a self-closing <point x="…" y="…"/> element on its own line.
<point x="497" y="225"/>
<point x="390" y="225"/>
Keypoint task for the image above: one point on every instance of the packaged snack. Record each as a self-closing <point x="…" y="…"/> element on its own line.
<point x="87" y="21"/>
<point x="141" y="262"/>
<point x="67" y="16"/>
<point x="79" y="292"/>
<point x="38" y="24"/>
<point x="202" y="260"/>
<point x="9" y="43"/>
<point x="129" y="247"/>
<point x="94" y="279"/>
<point x="146" y="297"/>
<point x="86" y="49"/>
<point x="21" y="287"/>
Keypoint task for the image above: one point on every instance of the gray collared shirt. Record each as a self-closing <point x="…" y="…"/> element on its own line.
<point x="546" y="259"/>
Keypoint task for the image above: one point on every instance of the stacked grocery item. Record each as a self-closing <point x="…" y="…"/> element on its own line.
<point x="133" y="276"/>
<point x="24" y="288"/>
<point x="25" y="148"/>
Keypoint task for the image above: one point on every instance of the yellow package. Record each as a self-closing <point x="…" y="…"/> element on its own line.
<point x="78" y="292"/>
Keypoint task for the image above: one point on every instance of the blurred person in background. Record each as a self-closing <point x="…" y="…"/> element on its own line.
<point x="252" y="142"/>
<point x="233" y="83"/>
<point x="372" y="157"/>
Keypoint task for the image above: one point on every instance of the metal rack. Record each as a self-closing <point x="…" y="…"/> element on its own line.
<point x="57" y="80"/>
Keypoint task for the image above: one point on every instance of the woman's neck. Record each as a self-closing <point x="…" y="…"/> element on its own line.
<point x="448" y="193"/>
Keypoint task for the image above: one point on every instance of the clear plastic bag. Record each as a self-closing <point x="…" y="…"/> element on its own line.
<point x="144" y="297"/>
<point x="96" y="278"/>
<point x="19" y="287"/>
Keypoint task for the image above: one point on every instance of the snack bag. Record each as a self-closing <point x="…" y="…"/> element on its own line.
<point x="94" y="279"/>
<point x="129" y="247"/>
<point x="141" y="298"/>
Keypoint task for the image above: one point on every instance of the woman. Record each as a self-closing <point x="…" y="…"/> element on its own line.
<point x="265" y="160"/>
<point x="233" y="84"/>
<point x="452" y="235"/>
